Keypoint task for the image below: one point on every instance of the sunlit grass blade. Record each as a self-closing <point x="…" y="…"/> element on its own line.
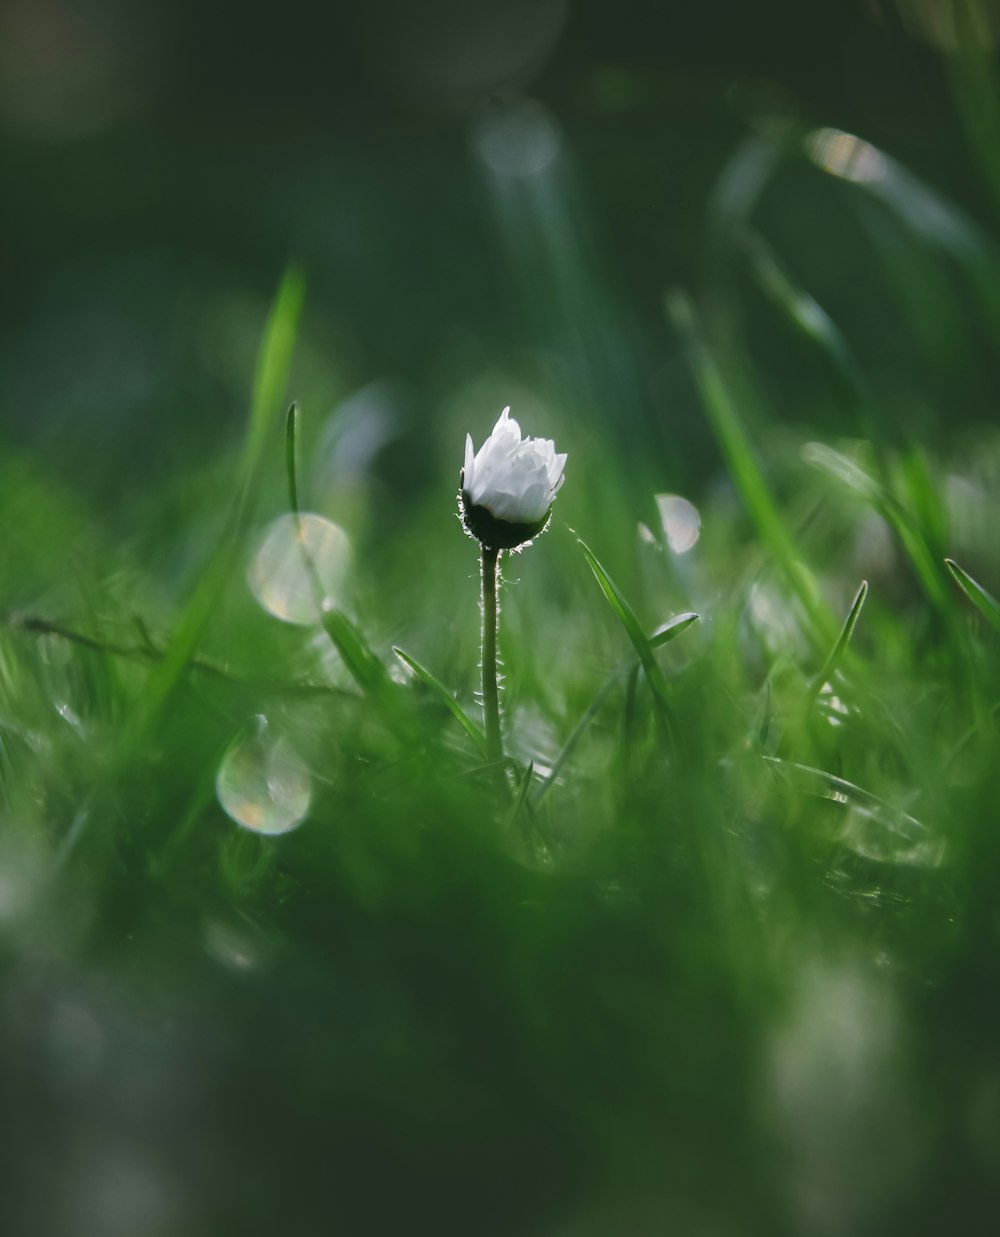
<point x="928" y="213"/>
<point x="521" y="794"/>
<point x="273" y="364"/>
<point x="672" y="628"/>
<point x="291" y="456"/>
<point x="445" y="696"/>
<point x="274" y="360"/>
<point x="849" y="473"/>
<point x="913" y="843"/>
<point x="626" y="614"/>
<point x="837" y="652"/>
<point x="733" y="439"/>
<point x="365" y="668"/>
<point x="908" y="530"/>
<point x="985" y="602"/>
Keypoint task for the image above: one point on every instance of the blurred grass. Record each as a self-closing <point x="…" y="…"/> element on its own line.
<point x="741" y="982"/>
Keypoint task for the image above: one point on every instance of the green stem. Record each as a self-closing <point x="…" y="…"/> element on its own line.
<point x="491" y="614"/>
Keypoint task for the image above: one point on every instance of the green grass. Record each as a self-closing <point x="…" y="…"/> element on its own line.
<point x="720" y="954"/>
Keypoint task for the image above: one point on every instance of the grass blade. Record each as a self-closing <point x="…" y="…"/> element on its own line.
<point x="521" y="796"/>
<point x="291" y="456"/>
<point x="849" y="473"/>
<point x="732" y="437"/>
<point x="445" y="696"/>
<point x="935" y="220"/>
<point x="908" y="529"/>
<point x="837" y="652"/>
<point x="672" y="628"/>
<point x="626" y="614"/>
<point x="365" y="668"/>
<point x="894" y="835"/>
<point x="273" y="364"/>
<point x="985" y="602"/>
<point x="274" y="361"/>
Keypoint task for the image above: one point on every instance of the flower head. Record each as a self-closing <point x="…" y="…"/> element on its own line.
<point x="509" y="485"/>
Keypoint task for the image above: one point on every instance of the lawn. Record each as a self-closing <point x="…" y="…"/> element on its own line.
<point x="707" y="941"/>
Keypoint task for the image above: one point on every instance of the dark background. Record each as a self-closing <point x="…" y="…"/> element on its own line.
<point x="162" y="163"/>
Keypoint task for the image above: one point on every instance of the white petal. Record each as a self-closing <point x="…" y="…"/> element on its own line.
<point x="469" y="462"/>
<point x="507" y="427"/>
<point x="504" y="506"/>
<point x="534" y="502"/>
<point x="516" y="479"/>
<point x="504" y="421"/>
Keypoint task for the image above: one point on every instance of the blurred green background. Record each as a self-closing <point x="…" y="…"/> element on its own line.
<point x="726" y="963"/>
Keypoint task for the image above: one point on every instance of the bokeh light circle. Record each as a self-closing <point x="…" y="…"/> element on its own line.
<point x="302" y="562"/>
<point x="262" y="784"/>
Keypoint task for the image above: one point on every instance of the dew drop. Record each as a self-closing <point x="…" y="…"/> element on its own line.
<point x="681" y="521"/>
<point x="301" y="562"/>
<point x="262" y="784"/>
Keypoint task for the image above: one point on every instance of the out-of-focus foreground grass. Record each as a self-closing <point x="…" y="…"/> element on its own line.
<point x="276" y="953"/>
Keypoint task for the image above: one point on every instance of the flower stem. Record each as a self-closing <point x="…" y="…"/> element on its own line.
<point x="491" y="614"/>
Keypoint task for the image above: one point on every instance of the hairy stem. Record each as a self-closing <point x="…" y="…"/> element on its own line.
<point x="491" y="614"/>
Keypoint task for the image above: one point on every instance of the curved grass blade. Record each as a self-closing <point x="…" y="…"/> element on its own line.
<point x="291" y="456"/>
<point x="927" y="213"/>
<point x="626" y="614"/>
<point x="273" y="364"/>
<point x="985" y="602"/>
<point x="521" y="796"/>
<point x="445" y="696"/>
<point x="663" y="635"/>
<point x="849" y="473"/>
<point x="715" y="388"/>
<point x="672" y="628"/>
<point x="903" y="838"/>
<point x="837" y="652"/>
<point x="271" y="375"/>
<point x="366" y="669"/>
<point x="907" y="528"/>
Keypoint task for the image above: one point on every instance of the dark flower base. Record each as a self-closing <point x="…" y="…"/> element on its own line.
<point x="498" y="534"/>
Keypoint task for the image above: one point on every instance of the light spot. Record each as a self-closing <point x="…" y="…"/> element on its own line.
<point x="681" y="521"/>
<point x="69" y="715"/>
<point x="233" y="947"/>
<point x="262" y="784"/>
<point x="772" y="617"/>
<point x="519" y="141"/>
<point x="844" y="155"/>
<point x="832" y="706"/>
<point x="837" y="1074"/>
<point x="302" y="563"/>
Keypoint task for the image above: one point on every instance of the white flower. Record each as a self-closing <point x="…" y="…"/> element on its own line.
<point x="512" y="480"/>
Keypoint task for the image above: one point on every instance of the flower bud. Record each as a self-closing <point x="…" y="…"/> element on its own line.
<point x="509" y="485"/>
